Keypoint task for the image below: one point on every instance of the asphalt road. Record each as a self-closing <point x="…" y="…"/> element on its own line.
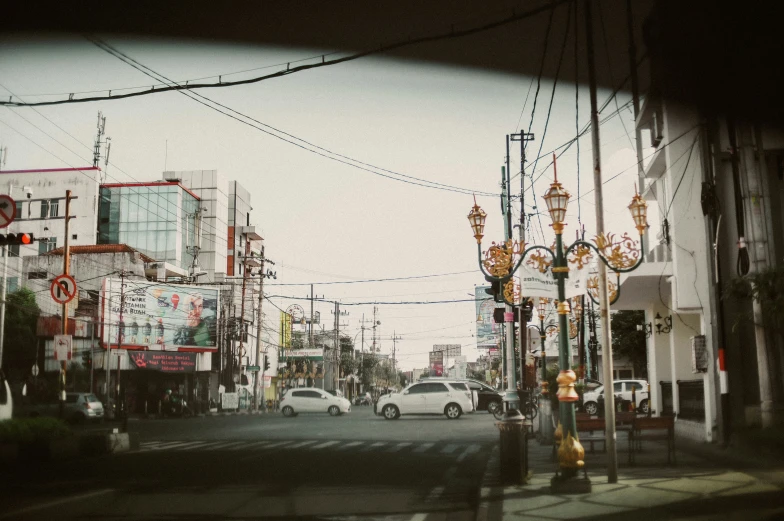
<point x="356" y="466"/>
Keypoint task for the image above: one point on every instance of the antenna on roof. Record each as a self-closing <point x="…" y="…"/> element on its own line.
<point x="98" y="142"/>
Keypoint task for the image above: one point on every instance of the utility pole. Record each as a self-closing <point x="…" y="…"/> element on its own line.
<point x="120" y="403"/>
<point x="66" y="271"/>
<point x="311" y="324"/>
<point x="98" y="142"/>
<point x="522" y="137"/>
<point x="362" y="351"/>
<point x="604" y="300"/>
<point x="259" y="361"/>
<point x="511" y="400"/>
<point x="242" y="313"/>
<point x="395" y="338"/>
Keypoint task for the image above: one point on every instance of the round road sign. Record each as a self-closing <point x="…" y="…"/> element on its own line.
<point x="63" y="289"/>
<point x="7" y="210"/>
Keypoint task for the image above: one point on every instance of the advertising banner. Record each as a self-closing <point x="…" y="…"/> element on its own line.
<point x="158" y="316"/>
<point x="534" y="283"/>
<point x="488" y="333"/>
<point x="310" y="354"/>
<point x="164" y="362"/>
<point x="437" y="363"/>
<point x="284" y="338"/>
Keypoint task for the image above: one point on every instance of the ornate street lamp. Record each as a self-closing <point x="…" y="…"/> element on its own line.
<point x="503" y="259"/>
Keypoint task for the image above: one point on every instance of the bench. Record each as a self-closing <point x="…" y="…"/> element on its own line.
<point x="652" y="429"/>
<point x="595" y="432"/>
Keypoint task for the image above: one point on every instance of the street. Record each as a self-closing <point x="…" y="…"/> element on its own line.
<point x="270" y="466"/>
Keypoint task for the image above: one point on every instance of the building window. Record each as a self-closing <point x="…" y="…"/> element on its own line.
<point x="13" y="284"/>
<point x="46" y="245"/>
<point x="54" y="207"/>
<point x="13" y="250"/>
<point x="44" y="209"/>
<point x="19" y="209"/>
<point x="36" y="275"/>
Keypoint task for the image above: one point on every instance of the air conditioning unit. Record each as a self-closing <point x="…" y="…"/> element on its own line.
<point x="699" y="354"/>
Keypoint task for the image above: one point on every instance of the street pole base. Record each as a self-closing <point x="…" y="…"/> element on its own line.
<point x="570" y="482"/>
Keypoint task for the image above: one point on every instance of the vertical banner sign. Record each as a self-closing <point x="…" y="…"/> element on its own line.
<point x="437" y="363"/>
<point x="62" y="347"/>
<point x="488" y="333"/>
<point x="284" y="338"/>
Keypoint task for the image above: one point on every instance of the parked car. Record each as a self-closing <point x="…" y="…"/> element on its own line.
<point x="79" y="407"/>
<point x="295" y="401"/>
<point x="487" y="398"/>
<point x="622" y="388"/>
<point x="448" y="397"/>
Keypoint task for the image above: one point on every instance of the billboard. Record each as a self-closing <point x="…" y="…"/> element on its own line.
<point x="158" y="316"/>
<point x="449" y="350"/>
<point x="488" y="333"/>
<point x="437" y="363"/>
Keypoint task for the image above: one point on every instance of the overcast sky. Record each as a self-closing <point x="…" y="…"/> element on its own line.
<point x="324" y="221"/>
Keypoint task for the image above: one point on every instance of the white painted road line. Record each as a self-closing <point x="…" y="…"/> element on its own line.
<point x="50" y="504"/>
<point x="469" y="450"/>
<point x="351" y="444"/>
<point x="422" y="448"/>
<point x="325" y="444"/>
<point x="224" y="446"/>
<point x="449" y="449"/>
<point x="302" y="444"/>
<point x="398" y="447"/>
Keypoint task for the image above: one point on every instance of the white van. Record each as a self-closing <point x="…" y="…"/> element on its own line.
<point x="6" y="400"/>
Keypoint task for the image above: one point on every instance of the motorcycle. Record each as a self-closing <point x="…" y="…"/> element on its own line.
<point x="177" y="407"/>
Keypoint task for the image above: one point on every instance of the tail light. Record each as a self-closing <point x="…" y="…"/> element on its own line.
<point x="87" y="405"/>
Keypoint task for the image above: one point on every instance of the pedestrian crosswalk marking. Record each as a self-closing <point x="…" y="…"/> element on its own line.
<point x="398" y="447"/>
<point x="461" y="451"/>
<point x="351" y="444"/>
<point x="325" y="444"/>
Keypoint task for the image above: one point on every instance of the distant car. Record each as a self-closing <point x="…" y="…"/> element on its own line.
<point x="487" y="398"/>
<point x="311" y="399"/>
<point x="451" y="398"/>
<point x="621" y="388"/>
<point x="78" y="408"/>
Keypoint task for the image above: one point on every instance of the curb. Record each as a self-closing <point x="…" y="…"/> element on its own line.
<point x="490" y="491"/>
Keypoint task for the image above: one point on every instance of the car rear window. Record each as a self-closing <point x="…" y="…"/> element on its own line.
<point x="91" y="398"/>
<point x="458" y="386"/>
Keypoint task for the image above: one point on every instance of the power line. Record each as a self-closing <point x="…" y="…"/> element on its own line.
<point x="358" y="281"/>
<point x="328" y="153"/>
<point x="452" y="33"/>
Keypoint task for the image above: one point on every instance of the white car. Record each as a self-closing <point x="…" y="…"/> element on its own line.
<point x="448" y="397"/>
<point x="311" y="399"/>
<point x="622" y="388"/>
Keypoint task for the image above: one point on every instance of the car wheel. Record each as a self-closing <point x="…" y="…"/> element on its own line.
<point x="645" y="406"/>
<point x="390" y="412"/>
<point x="334" y="410"/>
<point x="453" y="411"/>
<point x="288" y="411"/>
<point x="492" y="406"/>
<point x="591" y="408"/>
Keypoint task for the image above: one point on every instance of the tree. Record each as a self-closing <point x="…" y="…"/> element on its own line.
<point x="368" y="363"/>
<point x="20" y="325"/>
<point x="628" y="342"/>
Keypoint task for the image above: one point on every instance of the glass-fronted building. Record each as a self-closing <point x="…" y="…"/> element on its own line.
<point x="155" y="218"/>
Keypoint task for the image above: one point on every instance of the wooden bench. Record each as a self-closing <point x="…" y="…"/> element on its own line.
<point x="591" y="430"/>
<point x="652" y="429"/>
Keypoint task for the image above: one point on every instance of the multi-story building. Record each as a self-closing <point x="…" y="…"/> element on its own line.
<point x="40" y="209"/>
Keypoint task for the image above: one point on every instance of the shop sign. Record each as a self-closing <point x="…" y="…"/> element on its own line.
<point x="310" y="354"/>
<point x="165" y="362"/>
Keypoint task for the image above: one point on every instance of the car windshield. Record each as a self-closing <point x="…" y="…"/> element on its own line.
<point x="235" y="232"/>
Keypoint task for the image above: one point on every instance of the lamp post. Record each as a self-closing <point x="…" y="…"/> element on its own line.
<point x="545" y="410"/>
<point x="502" y="260"/>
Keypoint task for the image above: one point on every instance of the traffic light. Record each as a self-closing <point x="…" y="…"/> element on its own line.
<point x="7" y="239"/>
<point x="266" y="363"/>
<point x="494" y="289"/>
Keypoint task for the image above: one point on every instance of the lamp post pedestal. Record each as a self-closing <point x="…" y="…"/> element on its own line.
<point x="513" y="448"/>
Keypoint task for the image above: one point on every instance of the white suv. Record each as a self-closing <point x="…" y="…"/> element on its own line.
<point x="311" y="399"/>
<point x="621" y="388"/>
<point x="448" y="397"/>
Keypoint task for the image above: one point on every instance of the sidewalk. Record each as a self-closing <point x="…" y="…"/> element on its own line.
<point x="707" y="482"/>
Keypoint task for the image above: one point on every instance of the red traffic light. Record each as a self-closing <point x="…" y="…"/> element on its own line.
<point x="16" y="238"/>
<point x="25" y="238"/>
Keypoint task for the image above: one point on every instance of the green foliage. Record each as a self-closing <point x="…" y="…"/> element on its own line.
<point x="628" y="342"/>
<point x="29" y="430"/>
<point x="767" y="288"/>
<point x="367" y="365"/>
<point x="20" y="325"/>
